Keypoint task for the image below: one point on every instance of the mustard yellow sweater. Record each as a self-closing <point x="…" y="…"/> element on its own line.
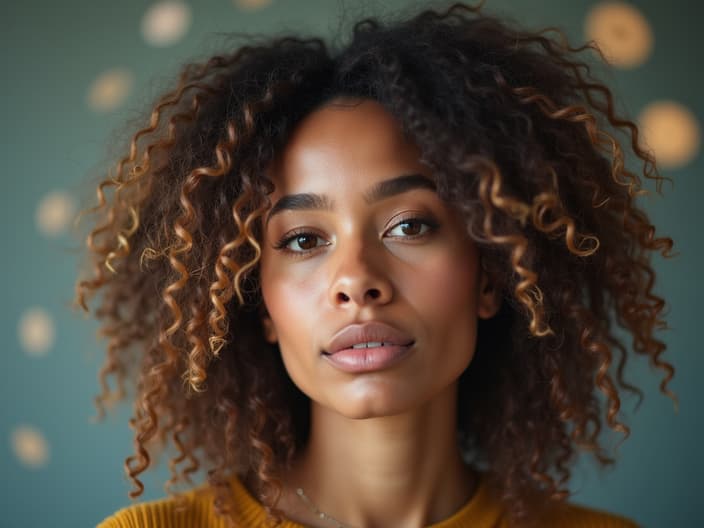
<point x="482" y="511"/>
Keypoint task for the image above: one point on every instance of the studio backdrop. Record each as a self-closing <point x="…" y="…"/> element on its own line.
<point x="76" y="73"/>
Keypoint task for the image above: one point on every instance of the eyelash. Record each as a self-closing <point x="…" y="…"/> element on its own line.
<point x="282" y="244"/>
<point x="432" y="226"/>
<point x="289" y="237"/>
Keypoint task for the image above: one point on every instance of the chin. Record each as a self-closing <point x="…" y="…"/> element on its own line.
<point x="365" y="404"/>
<point x="369" y="412"/>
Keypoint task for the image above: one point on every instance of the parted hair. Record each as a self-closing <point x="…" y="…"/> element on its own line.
<point x="522" y="140"/>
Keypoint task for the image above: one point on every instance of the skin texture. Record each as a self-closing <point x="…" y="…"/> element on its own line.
<point x="382" y="448"/>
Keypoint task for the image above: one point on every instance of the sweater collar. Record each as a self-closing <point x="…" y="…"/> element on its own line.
<point x="481" y="511"/>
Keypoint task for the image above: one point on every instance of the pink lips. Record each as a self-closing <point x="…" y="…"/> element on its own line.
<point x="389" y="346"/>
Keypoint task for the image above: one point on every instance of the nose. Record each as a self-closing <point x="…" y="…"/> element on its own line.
<point x="360" y="278"/>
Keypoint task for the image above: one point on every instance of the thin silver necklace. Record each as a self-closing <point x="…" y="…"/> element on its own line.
<point x="321" y="514"/>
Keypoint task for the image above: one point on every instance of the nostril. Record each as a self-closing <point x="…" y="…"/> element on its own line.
<point x="372" y="294"/>
<point x="342" y="297"/>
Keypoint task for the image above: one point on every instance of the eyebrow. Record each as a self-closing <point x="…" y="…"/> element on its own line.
<point x="380" y="191"/>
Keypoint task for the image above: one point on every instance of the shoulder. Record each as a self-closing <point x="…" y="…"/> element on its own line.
<point x="193" y="509"/>
<point x="544" y="513"/>
<point x="574" y="515"/>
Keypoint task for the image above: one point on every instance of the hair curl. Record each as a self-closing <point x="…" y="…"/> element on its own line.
<point x="513" y="125"/>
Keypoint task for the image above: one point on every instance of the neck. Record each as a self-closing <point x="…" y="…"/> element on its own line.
<point x="402" y="470"/>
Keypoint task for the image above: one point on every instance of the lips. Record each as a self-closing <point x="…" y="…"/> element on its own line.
<point x="373" y="333"/>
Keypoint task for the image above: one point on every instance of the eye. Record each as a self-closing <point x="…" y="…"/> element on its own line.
<point x="411" y="228"/>
<point x="300" y="242"/>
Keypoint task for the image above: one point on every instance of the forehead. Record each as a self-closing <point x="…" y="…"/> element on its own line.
<point x="346" y="140"/>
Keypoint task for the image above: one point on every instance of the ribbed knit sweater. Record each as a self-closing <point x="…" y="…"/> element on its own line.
<point x="482" y="511"/>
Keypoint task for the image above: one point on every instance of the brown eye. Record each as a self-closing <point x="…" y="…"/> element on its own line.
<point x="301" y="243"/>
<point x="411" y="228"/>
<point x="306" y="241"/>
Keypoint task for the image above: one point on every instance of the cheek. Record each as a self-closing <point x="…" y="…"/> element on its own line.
<point x="447" y="298"/>
<point x="290" y="295"/>
<point x="448" y="285"/>
<point x="293" y="302"/>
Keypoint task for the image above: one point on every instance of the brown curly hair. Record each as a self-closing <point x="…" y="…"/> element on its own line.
<point x="513" y="125"/>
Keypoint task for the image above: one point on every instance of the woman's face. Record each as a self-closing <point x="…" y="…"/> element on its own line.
<point x="371" y="285"/>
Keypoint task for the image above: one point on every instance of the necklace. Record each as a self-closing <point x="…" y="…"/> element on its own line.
<point x="321" y="514"/>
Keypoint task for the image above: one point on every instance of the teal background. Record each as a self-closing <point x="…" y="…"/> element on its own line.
<point x="52" y="51"/>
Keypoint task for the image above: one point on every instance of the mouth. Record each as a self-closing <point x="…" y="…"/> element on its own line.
<point x="368" y="357"/>
<point x="368" y="347"/>
<point x="370" y="344"/>
<point x="369" y="335"/>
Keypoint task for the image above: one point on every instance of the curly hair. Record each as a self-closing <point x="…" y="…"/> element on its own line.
<point x="515" y="128"/>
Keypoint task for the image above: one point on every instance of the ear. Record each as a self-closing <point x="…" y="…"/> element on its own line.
<point x="270" y="334"/>
<point x="488" y="296"/>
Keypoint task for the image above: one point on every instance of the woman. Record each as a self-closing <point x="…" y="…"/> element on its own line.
<point x="374" y="287"/>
